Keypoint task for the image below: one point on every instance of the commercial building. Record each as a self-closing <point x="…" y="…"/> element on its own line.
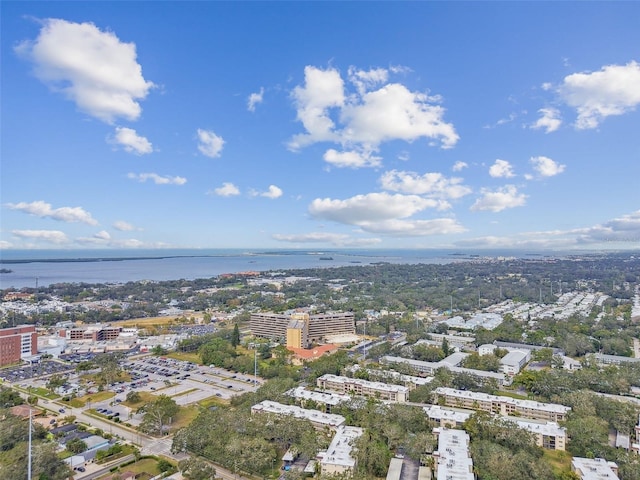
<point x="505" y="406"/>
<point x="337" y="459"/>
<point x="95" y="333"/>
<point x="594" y="468"/>
<point x="379" y="390"/>
<point x="17" y="343"/>
<point x="453" y="460"/>
<point x="320" y="326"/>
<point x="298" y="333"/>
<point x="320" y="420"/>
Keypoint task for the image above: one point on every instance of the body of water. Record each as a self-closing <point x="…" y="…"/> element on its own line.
<point x="40" y="267"/>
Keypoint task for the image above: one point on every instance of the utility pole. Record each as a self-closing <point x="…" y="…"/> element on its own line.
<point x="29" y="458"/>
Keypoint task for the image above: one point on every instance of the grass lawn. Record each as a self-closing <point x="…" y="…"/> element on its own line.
<point x="560" y="461"/>
<point x="186" y="356"/>
<point x="145" y="397"/>
<point x="212" y="402"/>
<point x="184" y="417"/>
<point x="146" y="465"/>
<point x="43" y="392"/>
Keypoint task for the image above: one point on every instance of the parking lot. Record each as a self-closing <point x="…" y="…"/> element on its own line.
<point x="36" y="369"/>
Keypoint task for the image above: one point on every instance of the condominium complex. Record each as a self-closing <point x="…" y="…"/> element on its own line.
<point x="17" y="343"/>
<point x="547" y="434"/>
<point x="505" y="406"/>
<point x="346" y="385"/>
<point x="328" y="400"/>
<point x="318" y="326"/>
<point x="429" y="368"/>
<point x="320" y="420"/>
<point x="337" y="459"/>
<point x="453" y="460"/>
<point x="594" y="468"/>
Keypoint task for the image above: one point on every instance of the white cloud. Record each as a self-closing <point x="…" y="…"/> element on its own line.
<point x="432" y="184"/>
<point x="500" y="199"/>
<point x="157" y="179"/>
<point x="501" y="169"/>
<point x="351" y="159"/>
<point x="549" y="120"/>
<point x="227" y="190"/>
<point x="4" y="245"/>
<point x="254" y="99"/>
<point x="624" y="229"/>
<point x="210" y="144"/>
<point x="458" y="166"/>
<point x="102" y="235"/>
<point x="123" y="226"/>
<point x="50" y="236"/>
<point x="335" y="239"/>
<point x="360" y="121"/>
<point x="132" y="142"/>
<point x="323" y="89"/>
<point x="365" y="80"/>
<point x="546" y="167"/>
<point x="64" y="214"/>
<point x="414" y="228"/>
<point x="272" y="192"/>
<point x="92" y="68"/>
<point x="372" y="207"/>
<point x="614" y="233"/>
<point x="612" y="90"/>
<point x="395" y="113"/>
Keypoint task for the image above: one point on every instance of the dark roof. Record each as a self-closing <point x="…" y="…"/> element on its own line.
<point x="64" y="429"/>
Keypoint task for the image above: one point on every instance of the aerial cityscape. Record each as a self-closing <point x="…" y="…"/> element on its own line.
<point x="401" y="371"/>
<point x="319" y="240"/>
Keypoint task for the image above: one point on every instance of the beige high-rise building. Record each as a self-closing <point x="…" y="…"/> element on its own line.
<point x="319" y="326"/>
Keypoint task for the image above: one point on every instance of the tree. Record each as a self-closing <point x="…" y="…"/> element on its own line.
<point x="76" y="445"/>
<point x="235" y="336"/>
<point x="133" y="396"/>
<point x="195" y="469"/>
<point x="9" y="398"/>
<point x="158" y="414"/>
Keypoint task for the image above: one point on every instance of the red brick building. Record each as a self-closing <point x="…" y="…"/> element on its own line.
<point x="17" y="343"/>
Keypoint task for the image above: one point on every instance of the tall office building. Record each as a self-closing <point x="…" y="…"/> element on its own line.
<point x="319" y="326"/>
<point x="17" y="343"/>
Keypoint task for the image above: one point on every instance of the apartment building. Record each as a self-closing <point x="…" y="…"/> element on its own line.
<point x="318" y="419"/>
<point x="429" y="368"/>
<point x="328" y="400"/>
<point x="500" y="405"/>
<point x="17" y="343"/>
<point x="379" y="390"/>
<point x="453" y="460"/>
<point x="319" y="326"/>
<point x="337" y="459"/>
<point x="548" y="435"/>
<point x="594" y="468"/>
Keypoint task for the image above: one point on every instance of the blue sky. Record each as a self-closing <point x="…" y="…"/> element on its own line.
<point x="320" y="125"/>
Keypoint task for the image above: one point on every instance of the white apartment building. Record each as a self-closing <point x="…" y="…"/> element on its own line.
<point x="548" y="435"/>
<point x="346" y="385"/>
<point x="594" y="468"/>
<point x="430" y="368"/>
<point x="500" y="405"/>
<point x="453" y="460"/>
<point x="319" y="419"/>
<point x="337" y="459"/>
<point x="512" y="362"/>
<point x="329" y="400"/>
